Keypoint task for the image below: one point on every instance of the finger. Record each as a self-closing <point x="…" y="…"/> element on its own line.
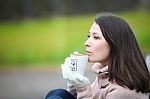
<point x="63" y="71"/>
<point x="70" y="74"/>
<point x="81" y="78"/>
<point x="67" y="60"/>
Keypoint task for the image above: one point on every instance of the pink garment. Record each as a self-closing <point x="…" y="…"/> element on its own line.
<point x="101" y="88"/>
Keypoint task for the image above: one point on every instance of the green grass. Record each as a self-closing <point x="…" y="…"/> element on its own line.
<point x="41" y="40"/>
<point x="32" y="41"/>
<point x="50" y="40"/>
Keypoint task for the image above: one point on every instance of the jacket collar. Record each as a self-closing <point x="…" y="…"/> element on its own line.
<point x="99" y="69"/>
<point x="102" y="74"/>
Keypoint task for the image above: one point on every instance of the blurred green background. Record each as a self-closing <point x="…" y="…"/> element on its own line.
<point x="48" y="39"/>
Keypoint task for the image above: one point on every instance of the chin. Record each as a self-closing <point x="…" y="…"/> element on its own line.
<point x="92" y="60"/>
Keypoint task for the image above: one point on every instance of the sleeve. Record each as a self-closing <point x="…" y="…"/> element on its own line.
<point x="80" y="93"/>
<point x="84" y="92"/>
<point x="71" y="89"/>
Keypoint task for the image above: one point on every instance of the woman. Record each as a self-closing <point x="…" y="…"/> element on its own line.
<point x="121" y="71"/>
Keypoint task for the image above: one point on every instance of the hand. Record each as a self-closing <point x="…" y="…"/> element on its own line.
<point x="65" y="68"/>
<point x="73" y="77"/>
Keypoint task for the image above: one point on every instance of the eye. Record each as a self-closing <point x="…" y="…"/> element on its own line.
<point x="96" y="37"/>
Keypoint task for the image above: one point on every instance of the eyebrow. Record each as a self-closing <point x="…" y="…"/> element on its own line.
<point x="93" y="33"/>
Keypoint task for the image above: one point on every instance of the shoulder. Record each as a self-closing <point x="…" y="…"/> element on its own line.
<point x="118" y="92"/>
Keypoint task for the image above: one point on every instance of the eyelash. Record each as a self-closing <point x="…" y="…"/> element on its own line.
<point x="95" y="37"/>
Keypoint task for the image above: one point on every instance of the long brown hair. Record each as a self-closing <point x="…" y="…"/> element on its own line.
<point x="127" y="66"/>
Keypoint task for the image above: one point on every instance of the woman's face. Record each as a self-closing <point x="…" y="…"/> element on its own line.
<point x="97" y="47"/>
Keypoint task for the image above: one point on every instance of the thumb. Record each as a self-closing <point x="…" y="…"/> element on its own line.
<point x="81" y="78"/>
<point x="67" y="60"/>
<point x="63" y="71"/>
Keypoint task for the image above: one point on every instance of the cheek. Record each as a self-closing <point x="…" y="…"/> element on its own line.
<point x="102" y="52"/>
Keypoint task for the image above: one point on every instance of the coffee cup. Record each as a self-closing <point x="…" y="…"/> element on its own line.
<point x="78" y="62"/>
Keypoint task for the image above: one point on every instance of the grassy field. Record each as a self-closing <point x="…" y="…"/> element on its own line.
<point x="50" y="40"/>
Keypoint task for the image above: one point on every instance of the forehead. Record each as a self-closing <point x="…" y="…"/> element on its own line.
<point x="95" y="28"/>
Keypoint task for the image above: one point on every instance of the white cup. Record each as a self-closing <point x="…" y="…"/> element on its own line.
<point x="79" y="63"/>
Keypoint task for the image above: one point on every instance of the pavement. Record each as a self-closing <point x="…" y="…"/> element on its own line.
<point x="32" y="83"/>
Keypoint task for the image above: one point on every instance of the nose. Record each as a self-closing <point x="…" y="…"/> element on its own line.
<point x="87" y="43"/>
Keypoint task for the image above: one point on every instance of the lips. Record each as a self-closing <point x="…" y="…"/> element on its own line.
<point x="88" y="52"/>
